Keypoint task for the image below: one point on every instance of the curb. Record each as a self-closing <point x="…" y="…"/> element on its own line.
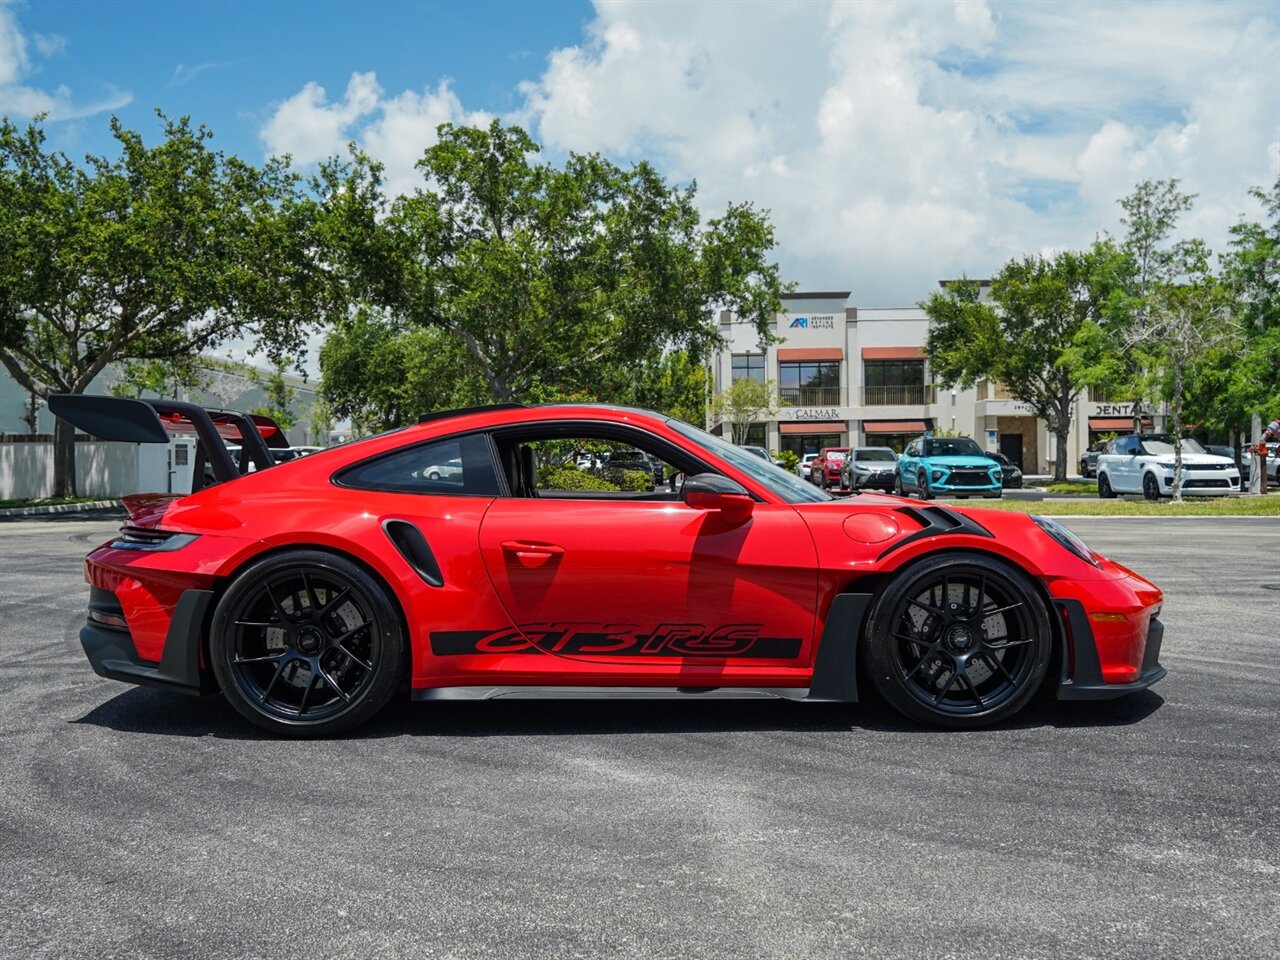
<point x="18" y="513"/>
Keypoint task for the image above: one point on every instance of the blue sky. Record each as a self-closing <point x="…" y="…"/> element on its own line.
<point x="893" y="144"/>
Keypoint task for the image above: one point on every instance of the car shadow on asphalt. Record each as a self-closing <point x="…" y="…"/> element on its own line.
<point x="142" y="710"/>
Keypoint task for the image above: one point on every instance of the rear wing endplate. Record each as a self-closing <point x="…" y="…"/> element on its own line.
<point x="155" y="421"/>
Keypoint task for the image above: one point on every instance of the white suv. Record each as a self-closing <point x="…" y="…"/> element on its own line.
<point x="1144" y="464"/>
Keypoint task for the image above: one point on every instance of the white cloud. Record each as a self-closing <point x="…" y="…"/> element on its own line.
<point x="395" y="130"/>
<point x="18" y="99"/>
<point x="893" y="143"/>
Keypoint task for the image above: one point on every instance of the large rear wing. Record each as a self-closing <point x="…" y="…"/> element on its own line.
<point x="155" y="421"/>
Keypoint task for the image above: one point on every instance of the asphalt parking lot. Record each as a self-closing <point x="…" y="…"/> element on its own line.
<point x="135" y="823"/>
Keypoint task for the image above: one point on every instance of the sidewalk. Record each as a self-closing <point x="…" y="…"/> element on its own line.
<point x="105" y="508"/>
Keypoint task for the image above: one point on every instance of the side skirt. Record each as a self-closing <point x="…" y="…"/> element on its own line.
<point x="610" y="693"/>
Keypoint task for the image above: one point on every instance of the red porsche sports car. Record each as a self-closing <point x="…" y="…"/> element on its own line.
<point x="483" y="553"/>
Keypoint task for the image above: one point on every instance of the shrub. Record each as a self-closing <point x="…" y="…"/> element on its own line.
<point x="789" y="460"/>
<point x="570" y="478"/>
<point x="635" y="480"/>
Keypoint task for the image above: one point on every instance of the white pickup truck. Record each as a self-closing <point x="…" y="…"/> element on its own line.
<point x="1143" y="463"/>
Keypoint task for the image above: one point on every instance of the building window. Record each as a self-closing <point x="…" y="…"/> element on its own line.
<point x="756" y="436"/>
<point x="895" y="381"/>
<point x="897" y="442"/>
<point x="748" y="366"/>
<point x="800" y="444"/>
<point x="809" y="383"/>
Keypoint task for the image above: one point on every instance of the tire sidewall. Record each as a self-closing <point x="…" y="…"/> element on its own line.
<point x="387" y="670"/>
<point x="878" y="641"/>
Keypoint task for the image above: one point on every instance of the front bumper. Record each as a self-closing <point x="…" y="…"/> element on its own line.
<point x="112" y="653"/>
<point x="1082" y="675"/>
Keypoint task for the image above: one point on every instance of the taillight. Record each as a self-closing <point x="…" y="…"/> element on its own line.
<point x="150" y="540"/>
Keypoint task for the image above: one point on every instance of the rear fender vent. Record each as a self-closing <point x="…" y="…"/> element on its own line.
<point x="413" y="546"/>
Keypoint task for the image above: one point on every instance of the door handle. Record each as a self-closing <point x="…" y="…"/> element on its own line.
<point x="529" y="550"/>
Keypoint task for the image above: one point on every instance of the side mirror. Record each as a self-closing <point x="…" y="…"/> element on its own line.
<point x="710" y="491"/>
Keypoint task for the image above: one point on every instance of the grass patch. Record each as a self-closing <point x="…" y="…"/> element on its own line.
<point x="1080" y="488"/>
<point x="50" y="502"/>
<point x="1268" y="506"/>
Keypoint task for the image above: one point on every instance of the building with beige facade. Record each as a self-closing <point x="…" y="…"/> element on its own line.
<point x="855" y="376"/>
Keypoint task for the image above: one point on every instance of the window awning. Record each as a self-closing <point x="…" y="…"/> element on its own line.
<point x="1110" y="423"/>
<point x="893" y="353"/>
<point x="893" y="426"/>
<point x="835" y="426"/>
<point x="810" y="353"/>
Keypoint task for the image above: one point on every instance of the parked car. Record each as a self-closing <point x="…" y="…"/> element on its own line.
<point x="312" y="595"/>
<point x="1089" y="459"/>
<point x="803" y="468"/>
<point x="762" y="453"/>
<point x="933" y="465"/>
<point x="1012" y="473"/>
<point x="825" y="471"/>
<point x="1144" y="463"/>
<point x="868" y="468"/>
<point x="636" y="460"/>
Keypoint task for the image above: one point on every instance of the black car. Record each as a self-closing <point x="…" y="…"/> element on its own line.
<point x="1089" y="459"/>
<point x="1012" y="479"/>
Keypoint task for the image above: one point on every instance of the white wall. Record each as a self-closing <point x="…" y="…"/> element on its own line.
<point x="106" y="470"/>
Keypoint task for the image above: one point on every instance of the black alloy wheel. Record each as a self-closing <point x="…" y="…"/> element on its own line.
<point x="897" y="485"/>
<point x="922" y="486"/>
<point x="1104" y="488"/>
<point x="1150" y="486"/>
<point x="306" y="643"/>
<point x="959" y="641"/>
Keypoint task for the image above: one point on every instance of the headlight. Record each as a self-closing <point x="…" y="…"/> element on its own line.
<point x="938" y="474"/>
<point x="1067" y="539"/>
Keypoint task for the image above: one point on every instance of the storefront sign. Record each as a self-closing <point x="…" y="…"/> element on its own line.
<point x="1112" y="410"/>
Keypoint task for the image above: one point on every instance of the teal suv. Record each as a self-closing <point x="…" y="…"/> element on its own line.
<point x="955" y="465"/>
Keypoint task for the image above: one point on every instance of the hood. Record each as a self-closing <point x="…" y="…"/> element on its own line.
<point x="1194" y="459"/>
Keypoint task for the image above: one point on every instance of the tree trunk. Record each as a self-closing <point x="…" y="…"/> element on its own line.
<point x="1177" y="428"/>
<point x="1060" y="464"/>
<point x="64" y="458"/>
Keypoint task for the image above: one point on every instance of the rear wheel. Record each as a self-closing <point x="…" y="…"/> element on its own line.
<point x="897" y="485"/>
<point x="1104" y="487"/>
<point x="959" y="641"/>
<point x="306" y="644"/>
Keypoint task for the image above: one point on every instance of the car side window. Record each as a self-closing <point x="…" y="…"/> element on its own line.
<point x="461" y="466"/>
<point x="584" y="466"/>
<point x="913" y="448"/>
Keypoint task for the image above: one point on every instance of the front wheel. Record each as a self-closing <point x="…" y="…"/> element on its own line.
<point x="1150" y="486"/>
<point x="1104" y="487"/>
<point x="922" y="487"/>
<point x="959" y="641"/>
<point x="306" y="644"/>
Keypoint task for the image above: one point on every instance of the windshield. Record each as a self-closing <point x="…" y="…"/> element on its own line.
<point x="952" y="447"/>
<point x="779" y="482"/>
<point x="1155" y="446"/>
<point x="875" y="454"/>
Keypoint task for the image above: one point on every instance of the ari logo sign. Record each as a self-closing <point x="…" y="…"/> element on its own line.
<point x="827" y="322"/>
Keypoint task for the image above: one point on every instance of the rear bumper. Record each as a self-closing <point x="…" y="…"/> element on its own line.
<point x="112" y="654"/>
<point x="1082" y="675"/>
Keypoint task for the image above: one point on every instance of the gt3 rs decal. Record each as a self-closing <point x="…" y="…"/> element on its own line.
<point x="736" y="640"/>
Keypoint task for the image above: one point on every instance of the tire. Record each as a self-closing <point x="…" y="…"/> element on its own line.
<point x="965" y="616"/>
<point x="433" y="475"/>
<point x="1084" y="469"/>
<point x="1150" y="487"/>
<point x="1104" y="488"/>
<point x="306" y="644"/>
<point x="922" y="487"/>
<point x="897" y="486"/>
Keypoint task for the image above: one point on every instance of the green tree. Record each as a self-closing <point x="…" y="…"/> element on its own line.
<point x="381" y="376"/>
<point x="745" y="402"/>
<point x="162" y="378"/>
<point x="541" y="273"/>
<point x="1186" y="316"/>
<point x="280" y="396"/>
<point x="1043" y="335"/>
<point x="1252" y="269"/>
<point x="159" y="252"/>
